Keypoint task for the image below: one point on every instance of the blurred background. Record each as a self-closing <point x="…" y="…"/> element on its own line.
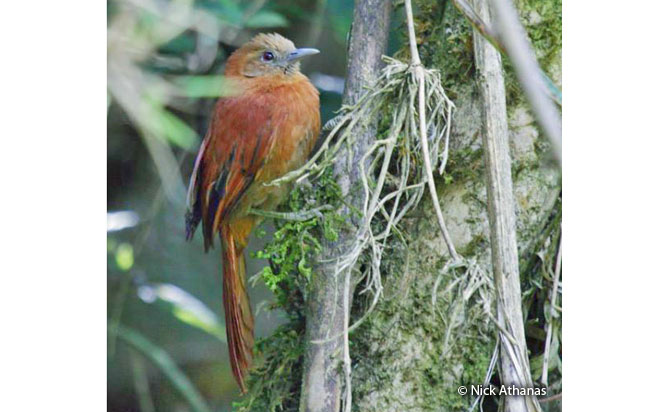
<point x="164" y="294"/>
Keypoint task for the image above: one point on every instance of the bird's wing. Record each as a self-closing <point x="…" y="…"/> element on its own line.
<point x="193" y="205"/>
<point x="235" y="148"/>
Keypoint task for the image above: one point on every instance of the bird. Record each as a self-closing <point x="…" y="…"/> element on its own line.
<point x="265" y="126"/>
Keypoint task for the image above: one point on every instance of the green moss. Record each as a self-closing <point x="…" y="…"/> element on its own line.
<point x="295" y="243"/>
<point x="463" y="165"/>
<point x="445" y="40"/>
<point x="478" y="242"/>
<point x="399" y="356"/>
<point x="542" y="21"/>
<point x="275" y="383"/>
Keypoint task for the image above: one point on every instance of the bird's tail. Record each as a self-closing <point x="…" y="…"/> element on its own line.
<point x="239" y="319"/>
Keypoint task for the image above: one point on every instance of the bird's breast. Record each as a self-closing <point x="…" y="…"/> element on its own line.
<point x="297" y="121"/>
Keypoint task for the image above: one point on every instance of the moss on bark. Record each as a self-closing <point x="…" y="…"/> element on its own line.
<point x="399" y="357"/>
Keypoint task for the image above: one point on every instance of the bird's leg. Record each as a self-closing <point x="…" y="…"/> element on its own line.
<point x="300" y="216"/>
<point x="330" y="125"/>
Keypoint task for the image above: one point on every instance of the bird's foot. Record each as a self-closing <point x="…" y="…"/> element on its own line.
<point x="300" y="216"/>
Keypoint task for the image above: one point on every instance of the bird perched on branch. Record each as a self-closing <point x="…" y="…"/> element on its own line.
<point x="265" y="128"/>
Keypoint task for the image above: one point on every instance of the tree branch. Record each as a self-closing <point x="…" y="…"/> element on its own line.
<point x="519" y="50"/>
<point x="330" y="291"/>
<point x="514" y="362"/>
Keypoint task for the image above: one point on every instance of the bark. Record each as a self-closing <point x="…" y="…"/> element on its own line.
<point x="514" y="362"/>
<point x="400" y="361"/>
<point x="525" y="64"/>
<point x="328" y="302"/>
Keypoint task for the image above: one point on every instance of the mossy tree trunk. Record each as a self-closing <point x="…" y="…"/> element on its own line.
<point x="329" y="293"/>
<point x="403" y="356"/>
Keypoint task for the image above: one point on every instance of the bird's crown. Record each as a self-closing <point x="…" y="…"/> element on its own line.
<point x="267" y="54"/>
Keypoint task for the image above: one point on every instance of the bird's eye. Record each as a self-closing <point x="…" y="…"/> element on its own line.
<point x="268" y="56"/>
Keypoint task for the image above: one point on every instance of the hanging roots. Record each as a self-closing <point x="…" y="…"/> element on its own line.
<point x="394" y="177"/>
<point x="392" y="170"/>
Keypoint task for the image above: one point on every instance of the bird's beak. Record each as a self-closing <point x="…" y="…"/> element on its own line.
<point x="301" y="53"/>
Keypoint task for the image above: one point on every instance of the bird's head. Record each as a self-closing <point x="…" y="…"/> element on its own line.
<point x="267" y="55"/>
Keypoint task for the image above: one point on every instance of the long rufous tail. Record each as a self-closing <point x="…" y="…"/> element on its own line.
<point x="239" y="319"/>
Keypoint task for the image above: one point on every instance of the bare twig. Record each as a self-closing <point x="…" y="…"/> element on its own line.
<point x="300" y="216"/>
<point x="551" y="398"/>
<point x="492" y="37"/>
<point x="520" y="52"/>
<point x="480" y="25"/>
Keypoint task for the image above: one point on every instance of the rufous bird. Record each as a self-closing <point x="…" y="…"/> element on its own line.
<point x="265" y="127"/>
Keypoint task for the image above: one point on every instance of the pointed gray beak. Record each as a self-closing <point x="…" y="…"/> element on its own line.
<point x="301" y="53"/>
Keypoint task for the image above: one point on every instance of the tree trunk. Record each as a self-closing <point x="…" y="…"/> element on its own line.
<point x="431" y="332"/>
<point x="328" y="304"/>
<point x="404" y="357"/>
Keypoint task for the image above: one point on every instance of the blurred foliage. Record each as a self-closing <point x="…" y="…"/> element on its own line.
<point x="183" y="306"/>
<point x="164" y="63"/>
<point x="161" y="359"/>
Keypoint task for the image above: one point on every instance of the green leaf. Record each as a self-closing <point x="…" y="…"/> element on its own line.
<point x="165" y="124"/>
<point x="165" y="363"/>
<point x="185" y="307"/>
<point x="201" y="86"/>
<point x="124" y="256"/>
<point x="264" y="19"/>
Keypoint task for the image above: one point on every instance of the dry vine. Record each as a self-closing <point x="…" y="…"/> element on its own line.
<point x="389" y="195"/>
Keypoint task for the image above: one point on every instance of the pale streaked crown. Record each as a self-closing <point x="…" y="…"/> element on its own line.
<point x="267" y="54"/>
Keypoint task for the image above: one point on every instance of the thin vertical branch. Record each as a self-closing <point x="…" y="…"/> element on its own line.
<point x="514" y="362"/>
<point x="519" y="50"/>
<point x="418" y="67"/>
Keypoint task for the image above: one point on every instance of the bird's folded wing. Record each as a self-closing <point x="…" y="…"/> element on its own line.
<point x="235" y="148"/>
